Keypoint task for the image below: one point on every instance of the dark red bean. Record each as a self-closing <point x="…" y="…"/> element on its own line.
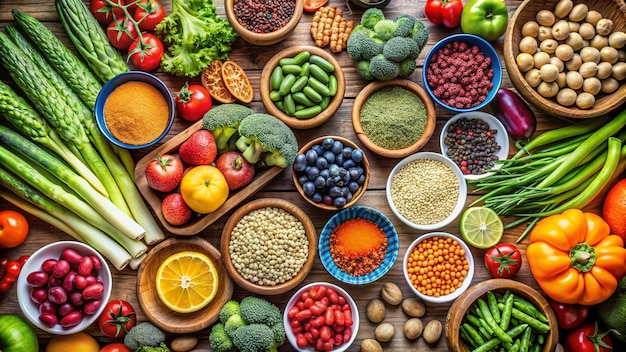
<point x="68" y="281"/>
<point x="85" y="267"/>
<point x="47" y="307"/>
<point x="72" y="319"/>
<point x="80" y="282"/>
<point x="48" y="319"/>
<point x="61" y="268"/>
<point x="92" y="307"/>
<point x="93" y="291"/>
<point x="39" y="295"/>
<point x="76" y="298"/>
<point x="48" y="265"/>
<point x="72" y="256"/>
<point x="96" y="262"/>
<point x="57" y="295"/>
<point x="54" y="281"/>
<point x="37" y="278"/>
<point x="66" y="308"/>
<point x="91" y="280"/>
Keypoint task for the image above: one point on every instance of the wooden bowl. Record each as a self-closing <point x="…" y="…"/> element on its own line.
<point x="612" y="9"/>
<point x="457" y="311"/>
<point x="355" y="196"/>
<point x="199" y="223"/>
<point x="294" y="210"/>
<point x="431" y="116"/>
<point x="263" y="39"/>
<point x="291" y="121"/>
<point x="156" y="311"/>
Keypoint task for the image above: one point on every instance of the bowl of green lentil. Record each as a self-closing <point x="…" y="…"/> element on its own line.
<point x="426" y="191"/>
<point x="394" y="118"/>
<point x="268" y="246"/>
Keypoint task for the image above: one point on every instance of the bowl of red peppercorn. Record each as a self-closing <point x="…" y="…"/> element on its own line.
<point x="264" y="22"/>
<point x="358" y="245"/>
<point x="462" y="72"/>
<point x="474" y="141"/>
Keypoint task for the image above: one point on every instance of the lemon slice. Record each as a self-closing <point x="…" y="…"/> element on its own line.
<point x="186" y="281"/>
<point x="481" y="227"/>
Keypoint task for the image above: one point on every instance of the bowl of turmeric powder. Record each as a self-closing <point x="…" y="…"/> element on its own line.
<point x="134" y="110"/>
<point x="358" y="245"/>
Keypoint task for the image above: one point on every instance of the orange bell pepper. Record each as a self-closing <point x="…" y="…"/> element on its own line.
<point x="575" y="258"/>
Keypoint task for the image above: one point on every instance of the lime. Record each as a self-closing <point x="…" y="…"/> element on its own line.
<point x="481" y="227"/>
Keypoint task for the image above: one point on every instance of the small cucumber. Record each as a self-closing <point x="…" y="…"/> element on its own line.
<point x="325" y="101"/>
<point x="332" y="85"/>
<point x="275" y="96"/>
<point x="290" y="105"/>
<point x="319" y="73"/>
<point x="300" y="83"/>
<point x="312" y="94"/>
<point x="286" y="84"/>
<point x="306" y="67"/>
<point x="319" y="86"/>
<point x="321" y="62"/>
<point x="301" y="98"/>
<point x="294" y="69"/>
<point x="308" y="112"/>
<point x="299" y="59"/>
<point x="276" y="77"/>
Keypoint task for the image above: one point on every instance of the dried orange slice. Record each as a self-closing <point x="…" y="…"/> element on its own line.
<point x="186" y="281"/>
<point x="237" y="81"/>
<point x="212" y="80"/>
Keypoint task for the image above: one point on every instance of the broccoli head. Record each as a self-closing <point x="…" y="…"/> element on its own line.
<point x="253" y="338"/>
<point x="160" y="348"/>
<point x="223" y="121"/>
<point x="420" y="34"/>
<point x="228" y="309"/>
<point x="397" y="49"/>
<point x="265" y="139"/>
<point x="256" y="310"/>
<point x="405" y="23"/>
<point x="233" y="323"/>
<point x="144" y="334"/>
<point x="364" y="45"/>
<point x="363" y="69"/>
<point x="279" y="333"/>
<point x="219" y="339"/>
<point x="407" y="67"/>
<point x="383" y="69"/>
<point x="371" y="16"/>
<point x="385" y="29"/>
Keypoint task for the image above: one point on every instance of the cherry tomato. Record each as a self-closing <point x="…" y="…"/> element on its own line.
<point x="588" y="338"/>
<point x="503" y="260"/>
<point x="117" y="318"/>
<point x="115" y="347"/>
<point x="121" y="33"/>
<point x="146" y="56"/>
<point x="193" y="101"/>
<point x="149" y="13"/>
<point x="13" y="229"/>
<point x="103" y="12"/>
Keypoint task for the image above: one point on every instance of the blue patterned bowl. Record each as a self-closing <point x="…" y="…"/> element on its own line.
<point x="359" y="212"/>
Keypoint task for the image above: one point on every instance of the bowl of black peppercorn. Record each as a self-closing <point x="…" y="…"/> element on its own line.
<point x="475" y="141"/>
<point x="264" y="23"/>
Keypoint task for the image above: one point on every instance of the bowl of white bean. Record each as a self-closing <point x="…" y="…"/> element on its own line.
<point x="426" y="191"/>
<point x="268" y="246"/>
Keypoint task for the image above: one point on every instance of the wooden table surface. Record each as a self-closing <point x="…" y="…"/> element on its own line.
<point x="252" y="59"/>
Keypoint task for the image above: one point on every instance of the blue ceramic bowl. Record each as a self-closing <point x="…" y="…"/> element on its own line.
<point x="486" y="48"/>
<point x="359" y="212"/>
<point x="115" y="82"/>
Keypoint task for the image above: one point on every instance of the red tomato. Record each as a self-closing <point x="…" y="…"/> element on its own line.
<point x="164" y="173"/>
<point x="149" y="13"/>
<point x="115" y="347"/>
<point x="103" y="12"/>
<point x="447" y="12"/>
<point x="193" y="101"/>
<point x="588" y="338"/>
<point x="503" y="260"/>
<point x="121" y="33"/>
<point x="146" y="52"/>
<point x="13" y="229"/>
<point x="117" y="318"/>
<point x="314" y="5"/>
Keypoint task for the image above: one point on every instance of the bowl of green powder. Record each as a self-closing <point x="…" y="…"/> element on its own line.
<point x="393" y="118"/>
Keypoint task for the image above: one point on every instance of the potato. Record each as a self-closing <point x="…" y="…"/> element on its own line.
<point x="619" y="71"/>
<point x="547" y="89"/>
<point x="384" y="332"/>
<point x="587" y="31"/>
<point x="604" y="26"/>
<point x="432" y="331"/>
<point x="593" y="17"/>
<point x="371" y="345"/>
<point x="558" y="63"/>
<point x="566" y="97"/>
<point x="592" y="85"/>
<point x="617" y="39"/>
<point x="609" y="85"/>
<point x="544" y="33"/>
<point x="541" y="59"/>
<point x="414" y="307"/>
<point x="548" y="46"/>
<point x="564" y="52"/>
<point x="545" y="17"/>
<point x="578" y="12"/>
<point x="609" y="54"/>
<point x="528" y="45"/>
<point x="560" y="80"/>
<point x="391" y="293"/>
<point x="413" y="328"/>
<point x="599" y="41"/>
<point x="590" y="54"/>
<point x="604" y="70"/>
<point x="375" y="311"/>
<point x="574" y="63"/>
<point x="530" y="29"/>
<point x="585" y="100"/>
<point x="184" y="343"/>
<point x="574" y="80"/>
<point x="573" y="26"/>
<point x="588" y="69"/>
<point x="533" y="77"/>
<point x="560" y="30"/>
<point x="549" y="72"/>
<point x="562" y="8"/>
<point x="575" y="41"/>
<point x="524" y="61"/>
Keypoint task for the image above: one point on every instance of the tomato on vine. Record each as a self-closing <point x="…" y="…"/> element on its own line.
<point x="121" y="33"/>
<point x="103" y="12"/>
<point x="148" y="14"/>
<point x="145" y="52"/>
<point x="503" y="260"/>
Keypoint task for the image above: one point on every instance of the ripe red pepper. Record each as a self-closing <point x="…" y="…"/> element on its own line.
<point x="569" y="316"/>
<point x="446" y="12"/>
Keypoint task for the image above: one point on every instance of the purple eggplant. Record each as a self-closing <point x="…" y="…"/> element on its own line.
<point x="518" y="119"/>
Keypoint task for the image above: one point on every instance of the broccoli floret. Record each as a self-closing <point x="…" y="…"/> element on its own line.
<point x="223" y="121"/>
<point x="256" y="310"/>
<point x="383" y="69"/>
<point x="397" y="49"/>
<point x="233" y="323"/>
<point x="363" y="69"/>
<point x="267" y="140"/>
<point x="404" y="24"/>
<point x="219" y="339"/>
<point x="160" y="348"/>
<point x="364" y="45"/>
<point x="228" y="309"/>
<point x="144" y="334"/>
<point x="253" y="338"/>
<point x="371" y="16"/>
<point x="420" y="34"/>
<point x="407" y="67"/>
<point x="358" y="28"/>
<point x="279" y="333"/>
<point x="384" y="29"/>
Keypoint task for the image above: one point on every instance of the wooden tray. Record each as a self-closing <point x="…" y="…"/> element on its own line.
<point x="194" y="226"/>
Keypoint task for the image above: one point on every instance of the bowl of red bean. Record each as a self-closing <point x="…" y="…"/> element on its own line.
<point x="333" y="313"/>
<point x="264" y="22"/>
<point x="64" y="287"/>
<point x="462" y="72"/>
<point x="438" y="267"/>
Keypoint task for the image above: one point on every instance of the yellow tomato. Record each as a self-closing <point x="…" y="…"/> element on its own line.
<point x="204" y="189"/>
<point x="79" y="341"/>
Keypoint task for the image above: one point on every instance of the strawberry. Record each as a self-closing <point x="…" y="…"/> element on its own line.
<point x="199" y="148"/>
<point x="175" y="210"/>
<point x="164" y="173"/>
<point x="236" y="169"/>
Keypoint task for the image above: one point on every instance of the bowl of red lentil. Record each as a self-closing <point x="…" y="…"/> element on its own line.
<point x="358" y="245"/>
<point x="462" y="72"/>
<point x="139" y="124"/>
<point x="438" y="267"/>
<point x="426" y="191"/>
<point x="263" y="22"/>
<point x="268" y="246"/>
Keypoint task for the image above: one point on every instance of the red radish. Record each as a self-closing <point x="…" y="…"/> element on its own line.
<point x="175" y="210"/>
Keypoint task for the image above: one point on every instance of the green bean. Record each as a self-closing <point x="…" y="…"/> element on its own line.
<point x="534" y="312"/>
<point x="516" y="346"/>
<point x="536" y="348"/>
<point x="290" y="105"/>
<point x="506" y="312"/>
<point x="319" y="87"/>
<point x="493" y="306"/>
<point x="483" y="331"/>
<point x="534" y="323"/>
<point x="312" y="94"/>
<point x="465" y="337"/>
<point x="474" y="320"/>
<point x="473" y="334"/>
<point x="493" y="343"/>
<point x="525" y="344"/>
<point x="487" y="328"/>
<point x="541" y="339"/>
<point x="497" y="330"/>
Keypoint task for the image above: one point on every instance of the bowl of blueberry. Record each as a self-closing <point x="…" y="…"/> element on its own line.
<point x="331" y="172"/>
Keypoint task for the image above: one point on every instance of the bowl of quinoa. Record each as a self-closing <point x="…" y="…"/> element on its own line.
<point x="264" y="22"/>
<point x="426" y="191"/>
<point x="268" y="246"/>
<point x="358" y="245"/>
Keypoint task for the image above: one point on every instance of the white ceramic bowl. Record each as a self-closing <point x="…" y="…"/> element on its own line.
<point x="291" y="337"/>
<point x="466" y="281"/>
<point x="502" y="137"/>
<point x="53" y="251"/>
<point x="461" y="198"/>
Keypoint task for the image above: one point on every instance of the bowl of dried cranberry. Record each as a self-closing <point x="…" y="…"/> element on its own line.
<point x="263" y="22"/>
<point x="462" y="72"/>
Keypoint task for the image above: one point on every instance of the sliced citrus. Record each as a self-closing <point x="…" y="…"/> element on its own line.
<point x="186" y="281"/>
<point x="237" y="81"/>
<point x="481" y="227"/>
<point x="212" y="80"/>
